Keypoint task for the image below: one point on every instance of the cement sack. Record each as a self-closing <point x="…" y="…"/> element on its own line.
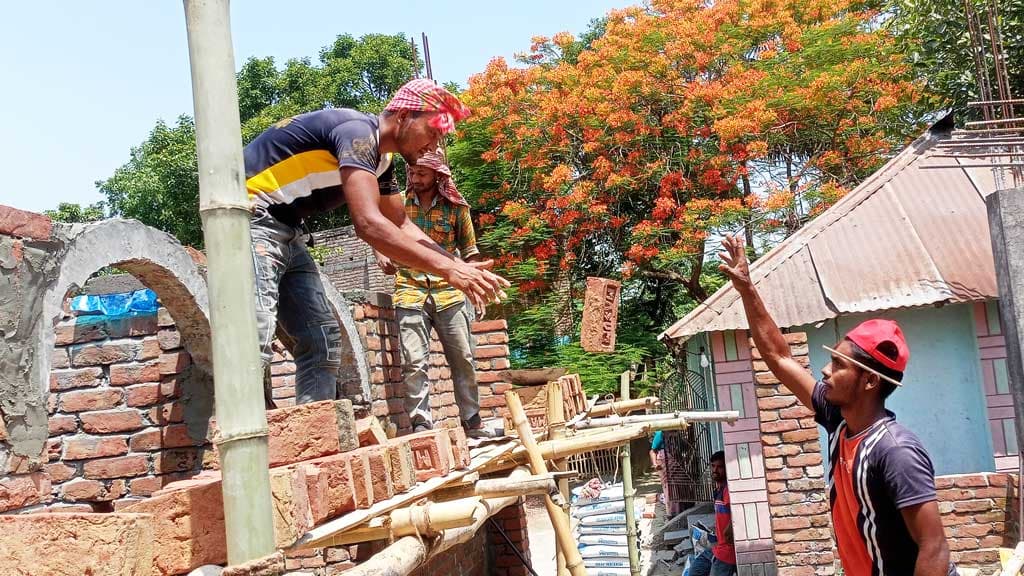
<point x="602" y="540"/>
<point x="605" y="564"/>
<point x="607" y="494"/>
<point x="608" y="530"/>
<point x="604" y="552"/>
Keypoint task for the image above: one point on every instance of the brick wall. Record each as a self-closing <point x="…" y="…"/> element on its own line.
<point x="469" y="559"/>
<point x="795" y="472"/>
<point x="349" y="262"/>
<point x="504" y="561"/>
<point x="120" y="392"/>
<point x="979" y="512"/>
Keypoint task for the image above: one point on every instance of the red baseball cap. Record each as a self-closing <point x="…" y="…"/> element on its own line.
<point x="877" y="334"/>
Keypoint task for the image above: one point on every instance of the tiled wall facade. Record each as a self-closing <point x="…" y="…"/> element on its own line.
<point x="992" y="355"/>
<point x="744" y="457"/>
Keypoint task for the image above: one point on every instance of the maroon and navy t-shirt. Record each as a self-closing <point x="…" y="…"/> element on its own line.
<point x="872" y="476"/>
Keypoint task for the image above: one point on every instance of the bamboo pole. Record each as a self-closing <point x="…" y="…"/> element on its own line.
<point x="224" y="209"/>
<point x="556" y="431"/>
<point x="573" y="560"/>
<point x="721" y="416"/>
<point x="624" y="406"/>
<point x="426" y="520"/>
<point x="499" y="488"/>
<point x="554" y="449"/>
<point x="626" y="464"/>
<point x="411" y="552"/>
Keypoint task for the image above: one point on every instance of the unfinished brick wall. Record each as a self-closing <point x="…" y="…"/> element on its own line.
<point x="349" y="262"/>
<point x="795" y="472"/>
<point x="979" y="512"/>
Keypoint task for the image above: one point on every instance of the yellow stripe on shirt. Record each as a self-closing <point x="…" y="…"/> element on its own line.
<point x="291" y="170"/>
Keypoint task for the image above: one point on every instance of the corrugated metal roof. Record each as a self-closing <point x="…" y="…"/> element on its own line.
<point x="907" y="236"/>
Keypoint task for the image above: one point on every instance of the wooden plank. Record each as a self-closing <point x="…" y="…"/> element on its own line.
<point x="323" y="534"/>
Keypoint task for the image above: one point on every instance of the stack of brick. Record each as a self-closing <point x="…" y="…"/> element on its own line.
<point x="794" y="471"/>
<point x="505" y="560"/>
<point x="979" y="512"/>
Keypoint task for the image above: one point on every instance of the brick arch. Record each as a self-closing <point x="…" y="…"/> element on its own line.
<point x="156" y="258"/>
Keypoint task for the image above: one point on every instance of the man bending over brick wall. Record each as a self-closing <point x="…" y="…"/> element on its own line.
<point x="885" y="515"/>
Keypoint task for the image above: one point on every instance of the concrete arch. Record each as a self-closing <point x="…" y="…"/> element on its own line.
<point x="162" y="264"/>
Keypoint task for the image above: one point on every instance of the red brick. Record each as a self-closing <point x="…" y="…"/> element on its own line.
<point x="337" y="472"/>
<point x="177" y="436"/>
<point x="491" y="352"/>
<point x="59" y="358"/>
<point x="292" y="516"/>
<point x="72" y="544"/>
<point x="174" y="362"/>
<point x="776" y="402"/>
<point x="143" y="394"/>
<point x="61" y="380"/>
<point x="460" y="448"/>
<point x="145" y="486"/>
<point x="106" y="352"/>
<point x="22" y="224"/>
<point x="85" y="447"/>
<point x="431" y="453"/>
<point x="780" y="426"/>
<point x="108" y="421"/>
<point x="489" y="326"/>
<point x="403" y="468"/>
<point x="188" y="524"/>
<point x="146" y="441"/>
<point x="168" y="338"/>
<point x="82" y="489"/>
<point x="170" y="413"/>
<point x="972" y="506"/>
<point x="380" y="472"/>
<point x="134" y="373"/>
<point x="799" y="435"/>
<point x="59" y="424"/>
<point x="60" y="472"/>
<point x="84" y="400"/>
<point x="310" y="431"/>
<point x="23" y="490"/>
<point x="362" y="482"/>
<point x="176" y="460"/>
<point x="124" y="466"/>
<point x="801" y="460"/>
<point x="943" y="482"/>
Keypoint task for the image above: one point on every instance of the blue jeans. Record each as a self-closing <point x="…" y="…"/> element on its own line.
<point x="289" y="292"/>
<point x="719" y="568"/>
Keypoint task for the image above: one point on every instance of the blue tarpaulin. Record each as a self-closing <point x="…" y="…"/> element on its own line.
<point x="138" y="302"/>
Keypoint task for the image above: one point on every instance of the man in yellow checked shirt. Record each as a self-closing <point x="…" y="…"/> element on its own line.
<point x="424" y="301"/>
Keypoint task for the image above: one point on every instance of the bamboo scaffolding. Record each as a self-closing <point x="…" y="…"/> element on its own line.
<point x="556" y="431"/>
<point x="499" y="488"/>
<point x="224" y="210"/>
<point x="573" y="560"/>
<point x="623" y="406"/>
<point x="626" y="464"/>
<point x="720" y="416"/>
<point x="426" y="520"/>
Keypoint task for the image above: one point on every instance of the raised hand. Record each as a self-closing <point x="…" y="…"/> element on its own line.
<point x="734" y="262"/>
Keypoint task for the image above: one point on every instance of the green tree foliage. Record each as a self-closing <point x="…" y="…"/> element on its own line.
<point x="159" y="184"/>
<point x="934" y="36"/>
<point x="71" y="213"/>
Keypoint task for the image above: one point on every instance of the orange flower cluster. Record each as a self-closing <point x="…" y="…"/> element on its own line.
<point x="678" y="122"/>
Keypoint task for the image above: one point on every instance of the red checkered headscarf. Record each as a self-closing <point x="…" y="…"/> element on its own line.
<point x="423" y="95"/>
<point x="445" y="185"/>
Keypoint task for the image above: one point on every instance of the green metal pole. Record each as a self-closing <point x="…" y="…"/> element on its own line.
<point x="627" y="489"/>
<point x="224" y="208"/>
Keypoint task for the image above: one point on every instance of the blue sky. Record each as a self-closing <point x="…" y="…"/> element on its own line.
<point x="85" y="81"/>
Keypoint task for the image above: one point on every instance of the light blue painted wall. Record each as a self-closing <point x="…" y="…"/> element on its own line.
<point x="942" y="399"/>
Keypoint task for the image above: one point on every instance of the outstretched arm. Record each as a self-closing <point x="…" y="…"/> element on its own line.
<point x="925" y="527"/>
<point x="766" y="334"/>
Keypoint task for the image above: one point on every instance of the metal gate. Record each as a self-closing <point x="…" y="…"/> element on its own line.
<point x="688" y="452"/>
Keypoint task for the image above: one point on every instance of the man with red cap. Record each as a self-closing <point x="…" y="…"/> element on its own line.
<point x="885" y="515"/>
<point x="315" y="162"/>
<point x="425" y="301"/>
